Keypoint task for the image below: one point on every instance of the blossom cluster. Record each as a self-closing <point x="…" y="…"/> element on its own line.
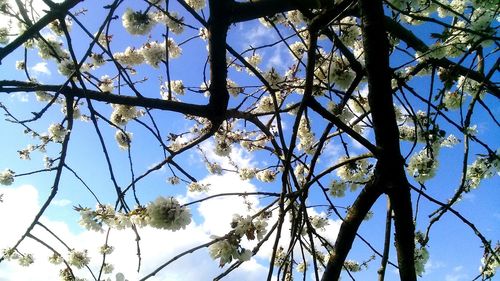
<point x="163" y="213"/>
<point x="7" y="177"/>
<point x="353" y="173"/>
<point x="228" y="248"/>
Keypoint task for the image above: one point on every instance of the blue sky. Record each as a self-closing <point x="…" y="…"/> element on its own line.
<point x="454" y="250"/>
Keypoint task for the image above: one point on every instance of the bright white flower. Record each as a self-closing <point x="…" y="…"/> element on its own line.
<point x="7" y="177"/>
<point x="88" y="220"/>
<point x="247" y="173"/>
<point x="453" y="100"/>
<point x="266" y="175"/>
<point x="197" y="187"/>
<point x="227" y="250"/>
<point x="214" y="168"/>
<point x="4" y="35"/>
<point x="306" y="137"/>
<point x="155" y="52"/>
<point x="233" y="88"/>
<point x="338" y="72"/>
<point x="78" y="259"/>
<point x="106" y="249"/>
<point x="121" y="221"/>
<point x="354" y="172"/>
<point x="10" y="254"/>
<point x="55" y="259"/>
<point x="176" y="86"/>
<point x="107" y="268"/>
<point x="57" y="27"/>
<point x="490" y="263"/>
<point x="106" y="84"/>
<point x="203" y="33"/>
<point x="450" y="141"/>
<point x="57" y="132"/>
<point x="137" y="22"/>
<point x="422" y="165"/>
<point x="123" y="113"/>
<point x="20" y="65"/>
<point x="138" y="217"/>
<point x="222" y="148"/>
<point x="167" y="213"/>
<point x="131" y="56"/>
<point x="352" y="266"/>
<point x="421" y="258"/>
<point x="174" y="50"/>
<point x="172" y="20"/>
<point x="298" y="49"/>
<point x="359" y="104"/>
<point x="123" y="139"/>
<point x="196" y="4"/>
<point x="295" y="17"/>
<point x="66" y="67"/>
<point x="319" y="222"/>
<point x="338" y="188"/>
<point x="301" y="267"/>
<point x="173" y="180"/>
<point x="51" y="47"/>
<point x="482" y="168"/>
<point x="26" y="260"/>
<point x="97" y="60"/>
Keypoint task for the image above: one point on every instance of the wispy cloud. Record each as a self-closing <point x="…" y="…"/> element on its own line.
<point x="457" y="274"/>
<point x="42" y="68"/>
<point x="61" y="202"/>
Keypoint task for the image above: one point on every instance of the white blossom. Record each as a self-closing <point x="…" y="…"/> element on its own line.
<point x="7" y="177"/>
<point x="227" y="251"/>
<point x="106" y="249"/>
<point x="247" y="173"/>
<point x="319" y="222"/>
<point x="167" y="213"/>
<point x="197" y="187"/>
<point x="57" y="132"/>
<point x="196" y="4"/>
<point x="421" y="258"/>
<point x="123" y="139"/>
<point x="422" y="165"/>
<point x="26" y="260"/>
<point x="137" y="22"/>
<point x="266" y="175"/>
<point x="131" y="56"/>
<point x="123" y="113"/>
<point x="78" y="259"/>
<point x="172" y="20"/>
<point x="338" y="188"/>
<point x="56" y="259"/>
<point x="106" y="84"/>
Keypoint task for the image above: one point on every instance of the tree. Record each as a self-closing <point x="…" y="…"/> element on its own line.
<point x="387" y="83"/>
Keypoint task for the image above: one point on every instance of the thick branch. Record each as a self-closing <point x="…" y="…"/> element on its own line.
<point x="349" y="229"/>
<point x="57" y="11"/>
<point x="413" y="41"/>
<point x="390" y="165"/>
<point x="245" y="11"/>
<point x="10" y="86"/>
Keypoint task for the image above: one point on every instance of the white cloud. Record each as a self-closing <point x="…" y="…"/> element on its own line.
<point x="157" y="247"/>
<point x="276" y="60"/>
<point x="61" y="202"/>
<point x="20" y="96"/>
<point x="41" y="67"/>
<point x="457" y="275"/>
<point x="258" y="35"/>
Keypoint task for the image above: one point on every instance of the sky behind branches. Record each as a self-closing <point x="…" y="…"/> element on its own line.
<point x="23" y="199"/>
